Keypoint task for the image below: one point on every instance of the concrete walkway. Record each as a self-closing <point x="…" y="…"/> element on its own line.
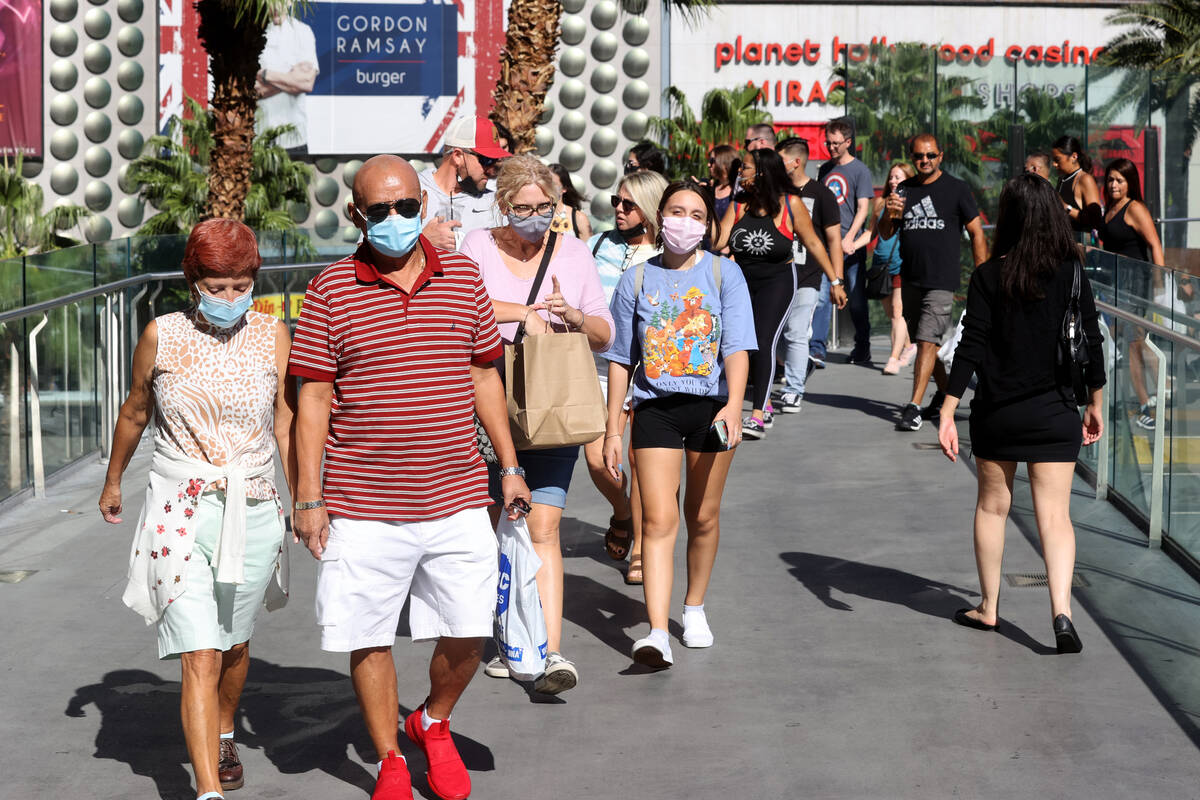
<point x="836" y="672"/>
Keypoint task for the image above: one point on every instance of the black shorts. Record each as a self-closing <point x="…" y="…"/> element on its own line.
<point x="677" y="421"/>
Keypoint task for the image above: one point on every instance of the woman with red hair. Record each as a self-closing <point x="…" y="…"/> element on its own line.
<point x="209" y="546"/>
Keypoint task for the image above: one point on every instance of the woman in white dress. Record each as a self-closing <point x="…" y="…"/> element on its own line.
<point x="209" y="546"/>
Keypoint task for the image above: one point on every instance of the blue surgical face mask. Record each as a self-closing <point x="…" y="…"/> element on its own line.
<point x="395" y="235"/>
<point x="531" y="228"/>
<point x="224" y="313"/>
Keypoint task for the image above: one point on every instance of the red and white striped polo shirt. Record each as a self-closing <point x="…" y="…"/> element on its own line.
<point x="401" y="440"/>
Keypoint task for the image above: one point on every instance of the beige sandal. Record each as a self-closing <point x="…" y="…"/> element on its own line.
<point x="633" y="575"/>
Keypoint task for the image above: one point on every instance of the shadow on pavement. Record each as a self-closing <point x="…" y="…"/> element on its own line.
<point x="822" y="574"/>
<point x="302" y="718"/>
<point x="885" y="411"/>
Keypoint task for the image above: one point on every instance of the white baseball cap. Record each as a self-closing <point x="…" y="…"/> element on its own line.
<point x="476" y="134"/>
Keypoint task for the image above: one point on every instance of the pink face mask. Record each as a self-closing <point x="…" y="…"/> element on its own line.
<point x="681" y="235"/>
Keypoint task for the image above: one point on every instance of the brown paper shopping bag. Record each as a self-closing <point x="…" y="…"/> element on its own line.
<point x="554" y="397"/>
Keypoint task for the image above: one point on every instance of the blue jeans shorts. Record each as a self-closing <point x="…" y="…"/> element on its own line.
<point x="547" y="473"/>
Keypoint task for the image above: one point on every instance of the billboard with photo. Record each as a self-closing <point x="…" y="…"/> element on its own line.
<point x="20" y="78"/>
<point x="355" y="77"/>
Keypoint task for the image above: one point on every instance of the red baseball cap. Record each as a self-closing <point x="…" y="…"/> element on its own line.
<point x="477" y="134"/>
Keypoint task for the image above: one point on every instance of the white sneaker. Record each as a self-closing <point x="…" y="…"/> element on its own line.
<point x="652" y="653"/>
<point x="560" y="675"/>
<point x="696" y="632"/>
<point x="496" y="668"/>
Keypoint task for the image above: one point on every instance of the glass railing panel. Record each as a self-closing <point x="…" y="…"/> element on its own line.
<point x="67" y="390"/>
<point x="14" y="466"/>
<point x="58" y="273"/>
<point x="12" y="276"/>
<point x="113" y="260"/>
<point x="1182" y="514"/>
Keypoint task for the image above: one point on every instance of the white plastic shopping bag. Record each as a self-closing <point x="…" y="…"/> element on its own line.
<point x="520" y="624"/>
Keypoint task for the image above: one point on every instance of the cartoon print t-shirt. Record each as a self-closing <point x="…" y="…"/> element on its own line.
<point x="680" y="329"/>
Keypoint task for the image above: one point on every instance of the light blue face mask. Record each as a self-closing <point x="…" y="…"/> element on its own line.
<point x="224" y="313"/>
<point x="395" y="235"/>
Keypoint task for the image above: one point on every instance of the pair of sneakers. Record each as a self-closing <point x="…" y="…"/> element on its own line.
<point x="447" y="775"/>
<point x="558" y="676"/>
<point x="655" y="650"/>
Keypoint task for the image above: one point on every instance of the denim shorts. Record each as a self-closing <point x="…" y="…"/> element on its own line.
<point x="547" y="473"/>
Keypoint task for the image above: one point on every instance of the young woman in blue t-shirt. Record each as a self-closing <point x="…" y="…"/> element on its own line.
<point x="684" y="333"/>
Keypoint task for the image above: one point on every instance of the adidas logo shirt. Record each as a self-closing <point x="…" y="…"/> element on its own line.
<point x="931" y="234"/>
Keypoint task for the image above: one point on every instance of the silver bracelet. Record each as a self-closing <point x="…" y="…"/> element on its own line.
<point x="507" y="471"/>
<point x="308" y="506"/>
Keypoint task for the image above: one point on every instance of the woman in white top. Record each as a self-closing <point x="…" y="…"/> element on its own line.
<point x="209" y="547"/>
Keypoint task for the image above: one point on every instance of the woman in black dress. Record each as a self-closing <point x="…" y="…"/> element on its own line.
<point x="1127" y="229"/>
<point x="760" y="229"/>
<point x="1022" y="409"/>
<point x="1076" y="187"/>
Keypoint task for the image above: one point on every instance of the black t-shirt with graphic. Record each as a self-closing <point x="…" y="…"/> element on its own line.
<point x="823" y="208"/>
<point x="931" y="236"/>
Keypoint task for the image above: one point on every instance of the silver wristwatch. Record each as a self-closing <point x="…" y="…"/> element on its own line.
<point x="506" y="471"/>
<point x="836" y="282"/>
<point x="311" y="504"/>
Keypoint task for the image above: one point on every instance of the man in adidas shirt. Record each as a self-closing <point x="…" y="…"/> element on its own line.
<point x="931" y="211"/>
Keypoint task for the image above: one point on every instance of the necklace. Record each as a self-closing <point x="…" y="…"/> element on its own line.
<point x="682" y="272"/>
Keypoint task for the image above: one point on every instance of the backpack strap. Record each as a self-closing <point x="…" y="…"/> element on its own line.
<point x="599" y="241"/>
<point x="639" y="275"/>
<point x="716" y="272"/>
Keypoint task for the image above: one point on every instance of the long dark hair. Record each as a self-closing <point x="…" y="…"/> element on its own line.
<point x="1071" y="146"/>
<point x="770" y="182"/>
<point x="570" y="195"/>
<point x="675" y="188"/>
<point x="1032" y="235"/>
<point x="1127" y="170"/>
<point x="650" y="157"/>
<point x="727" y="163"/>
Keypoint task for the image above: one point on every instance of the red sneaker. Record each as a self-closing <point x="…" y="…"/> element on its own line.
<point x="447" y="774"/>
<point x="394" y="782"/>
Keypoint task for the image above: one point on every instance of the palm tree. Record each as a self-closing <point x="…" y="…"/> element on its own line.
<point x="173" y="176"/>
<point x="24" y="227"/>
<point x="233" y="32"/>
<point x="526" y="68"/>
<point x="1164" y="37"/>
<point x="527" y="62"/>
<point x="725" y="114"/>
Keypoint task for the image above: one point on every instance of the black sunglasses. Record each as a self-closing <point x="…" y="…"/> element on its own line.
<point x="484" y="161"/>
<point x="623" y="204"/>
<point x="406" y="207"/>
<point x="631" y="167"/>
<point x="925" y="156"/>
<point x="755" y="139"/>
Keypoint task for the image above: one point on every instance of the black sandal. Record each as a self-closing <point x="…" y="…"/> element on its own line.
<point x="619" y="538"/>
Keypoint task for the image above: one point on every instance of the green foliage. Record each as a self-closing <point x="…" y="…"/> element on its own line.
<point x="172" y="174"/>
<point x="891" y="98"/>
<point x="25" y="227"/>
<point x="1164" y="37"/>
<point x="725" y="114"/>
<point x="1046" y="117"/>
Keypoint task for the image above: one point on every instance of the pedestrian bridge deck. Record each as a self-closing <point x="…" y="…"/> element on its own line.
<point x="836" y="671"/>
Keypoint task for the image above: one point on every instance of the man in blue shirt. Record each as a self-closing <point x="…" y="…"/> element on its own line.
<point x="851" y="183"/>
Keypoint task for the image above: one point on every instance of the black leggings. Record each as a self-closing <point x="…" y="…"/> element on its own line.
<point x="771" y="294"/>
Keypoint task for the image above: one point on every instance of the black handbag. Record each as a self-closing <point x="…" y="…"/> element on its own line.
<point x="1073" y="355"/>
<point x="877" y="280"/>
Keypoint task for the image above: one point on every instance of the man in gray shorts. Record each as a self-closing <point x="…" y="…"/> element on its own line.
<point x="930" y="210"/>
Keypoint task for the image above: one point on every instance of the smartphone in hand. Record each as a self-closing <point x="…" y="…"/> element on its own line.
<point x="721" y="429"/>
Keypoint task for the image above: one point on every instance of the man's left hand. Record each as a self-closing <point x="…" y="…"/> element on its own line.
<point x="838" y="295"/>
<point x="513" y="486"/>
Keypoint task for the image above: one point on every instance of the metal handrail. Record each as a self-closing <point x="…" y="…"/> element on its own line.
<point x="1151" y="327"/>
<point x="131" y="281"/>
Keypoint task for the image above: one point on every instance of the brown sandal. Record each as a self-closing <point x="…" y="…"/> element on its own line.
<point x="633" y="575"/>
<point x="619" y="538"/>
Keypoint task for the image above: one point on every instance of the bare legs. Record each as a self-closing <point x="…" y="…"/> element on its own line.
<point x="544" y="523"/>
<point x="211" y="688"/>
<point x="373" y="673"/>
<point x="928" y="365"/>
<point x="1051" y="486"/>
<point x="623" y="507"/>
<point x="658" y="470"/>
<point x="894" y="309"/>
